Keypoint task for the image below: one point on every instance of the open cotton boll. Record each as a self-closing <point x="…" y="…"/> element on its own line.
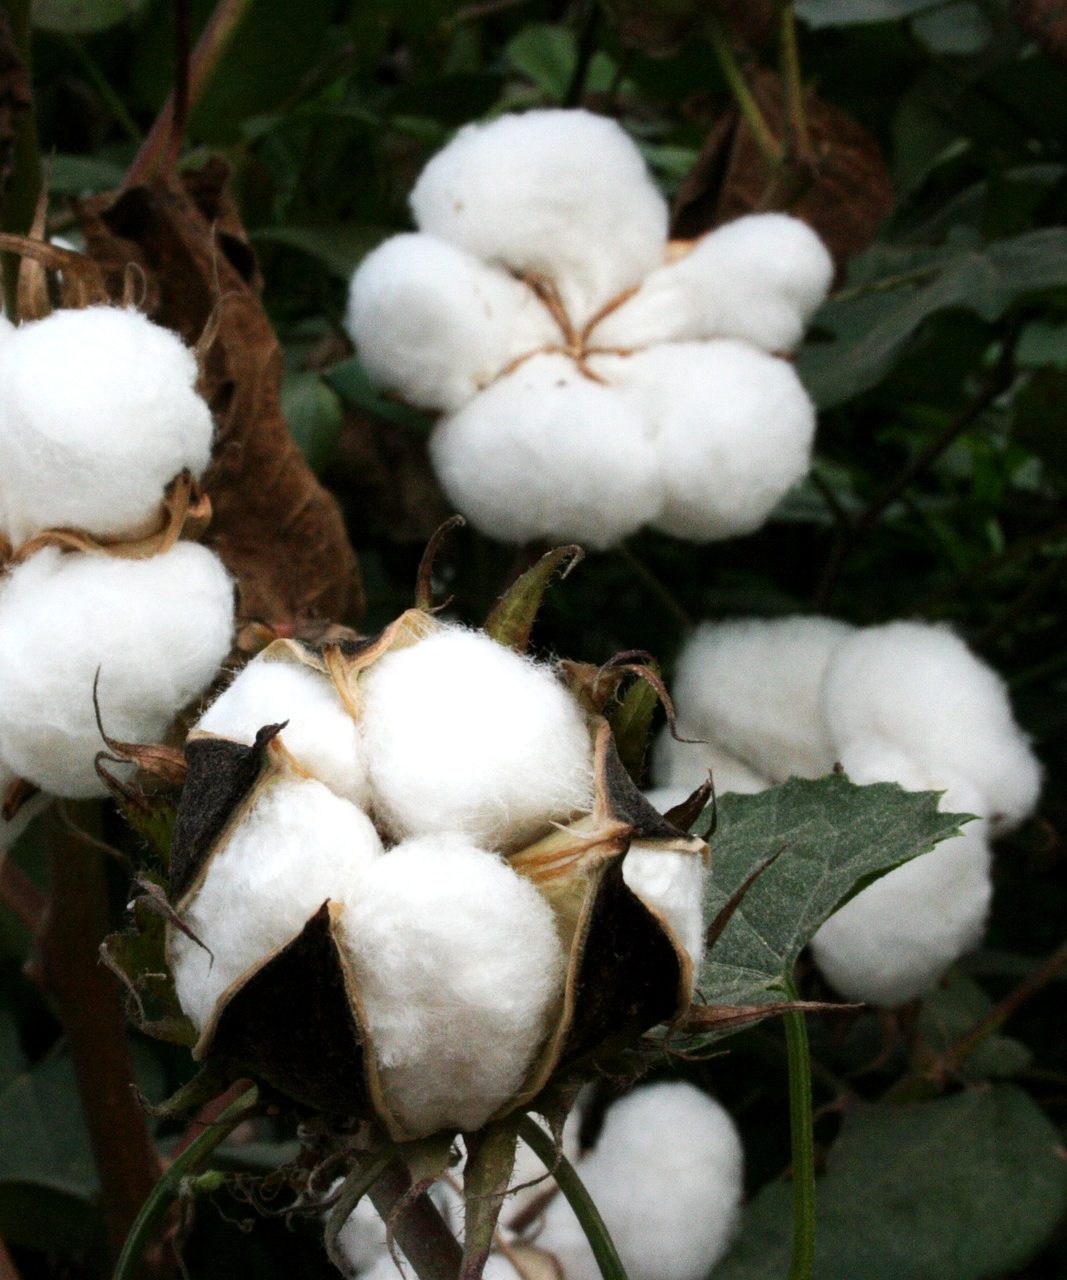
<point x="666" y="1175"/>
<point x="156" y="630"/>
<point x="319" y="733"/>
<point x="681" y="767"/>
<point x="459" y="967"/>
<point x="435" y="325"/>
<point x="755" y="684"/>
<point x="99" y="413"/>
<point x="297" y="846"/>
<point x="672" y="884"/>
<point x="918" y="688"/>
<point x="546" y="452"/>
<point x="462" y="734"/>
<point x="565" y="194"/>
<point x="733" y="429"/>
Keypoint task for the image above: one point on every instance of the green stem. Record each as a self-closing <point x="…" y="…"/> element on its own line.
<point x="541" y="1144"/>
<point x="802" y="1140"/>
<point x="167" y="1188"/>
<point x="768" y="144"/>
<point x="800" y="136"/>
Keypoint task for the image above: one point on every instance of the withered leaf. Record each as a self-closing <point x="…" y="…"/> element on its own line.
<point x="275" y="527"/>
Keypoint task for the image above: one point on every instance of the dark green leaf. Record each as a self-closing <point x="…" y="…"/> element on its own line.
<point x="79" y="17"/>
<point x="340" y="249"/>
<point x="349" y="379"/>
<point x="847" y="13"/>
<point x="952" y="1011"/>
<point x="314" y="415"/>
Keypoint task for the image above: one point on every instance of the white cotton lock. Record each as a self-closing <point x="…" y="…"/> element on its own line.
<point x="98" y="413"/>
<point x="666" y="1176"/>
<point x="459" y="968"/>
<point x="435" y="325"/>
<point x="919" y="690"/>
<point x="297" y="846"/>
<point x="681" y="766"/>
<point x="565" y="194"/>
<point x="672" y="884"/>
<point x="319" y="732"/>
<point x="156" y="630"/>
<point x="754" y="685"/>
<point x="733" y="429"/>
<point x="548" y="453"/>
<point x="6" y="328"/>
<point x="462" y="734"/>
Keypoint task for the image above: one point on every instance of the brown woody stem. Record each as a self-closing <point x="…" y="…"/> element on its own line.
<point x="418" y="1227"/>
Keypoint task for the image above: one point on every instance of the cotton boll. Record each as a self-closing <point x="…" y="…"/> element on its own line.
<point x="733" y="430"/>
<point x="435" y="325"/>
<point x="666" y="1176"/>
<point x="319" y="733"/>
<point x="755" y="684"/>
<point x="562" y="193"/>
<point x="156" y="630"/>
<point x="546" y="452"/>
<point x="297" y="846"/>
<point x="99" y="413"/>
<point x="462" y="734"/>
<point x="682" y="766"/>
<point x="758" y="279"/>
<point x="672" y="884"/>
<point x="459" y="968"/>
<point x="919" y="689"/>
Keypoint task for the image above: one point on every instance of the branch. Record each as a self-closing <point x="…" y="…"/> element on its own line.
<point x="418" y="1227"/>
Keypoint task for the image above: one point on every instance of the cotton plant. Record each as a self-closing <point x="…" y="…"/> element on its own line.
<point x="102" y="608"/>
<point x="904" y="702"/>
<point x="591" y="377"/>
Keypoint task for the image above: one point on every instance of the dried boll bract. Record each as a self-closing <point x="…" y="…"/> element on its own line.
<point x="98" y="413"/>
<point x="154" y="630"/>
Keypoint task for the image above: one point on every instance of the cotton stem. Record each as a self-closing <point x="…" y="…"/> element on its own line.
<point x="769" y="146"/>
<point x="801" y="1123"/>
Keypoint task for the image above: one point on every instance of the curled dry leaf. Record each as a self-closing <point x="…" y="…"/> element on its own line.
<point x="277" y="530"/>
<point x="842" y="190"/>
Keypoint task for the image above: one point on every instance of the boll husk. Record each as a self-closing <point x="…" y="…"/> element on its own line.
<point x="151" y="633"/>
<point x="641" y="388"/>
<point x="443" y="984"/>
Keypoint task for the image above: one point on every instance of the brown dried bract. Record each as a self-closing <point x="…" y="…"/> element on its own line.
<point x="274" y="526"/>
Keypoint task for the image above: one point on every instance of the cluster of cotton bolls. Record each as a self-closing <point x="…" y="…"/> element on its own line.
<point x="904" y="702"/>
<point x="665" y="1174"/>
<point x="593" y="378"/>
<point x="98" y="414"/>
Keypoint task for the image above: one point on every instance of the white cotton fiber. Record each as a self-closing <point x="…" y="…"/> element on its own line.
<point x="758" y="279"/>
<point x="98" y="413"/>
<point x="563" y="193"/>
<point x="548" y="453"/>
<point x="672" y="884"/>
<point x="434" y="324"/>
<point x="462" y="734"/>
<point x="319" y="733"/>
<point x="918" y="689"/>
<point x="684" y="766"/>
<point x="754" y="685"/>
<point x="666" y="1175"/>
<point x="459" y="968"/>
<point x="733" y="430"/>
<point x="6" y="327"/>
<point x="156" y="630"/>
<point x="297" y="846"/>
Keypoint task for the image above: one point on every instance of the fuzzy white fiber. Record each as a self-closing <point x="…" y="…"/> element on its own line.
<point x="672" y="884"/>
<point x="546" y="452"/>
<point x="918" y="689"/>
<point x="6" y="327"/>
<point x="758" y="279"/>
<point x="463" y="735"/>
<point x="754" y="686"/>
<point x="460" y="966"/>
<point x="733" y="428"/>
<point x="297" y="846"/>
<point x="681" y="767"/>
<point x="320" y="734"/>
<point x="98" y="412"/>
<point x="666" y="1175"/>
<point x="563" y="193"/>
<point x="157" y="631"/>
<point x="435" y="325"/>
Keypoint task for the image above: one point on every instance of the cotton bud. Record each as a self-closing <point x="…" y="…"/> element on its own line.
<point x="545" y="452"/>
<point x="562" y="193"/>
<point x="98" y="413"/>
<point x="296" y="846"/>
<point x="435" y="325"/>
<point x="920" y="690"/>
<point x="463" y="735"/>
<point x="319" y="732"/>
<point x="666" y="1176"/>
<point x="155" y="630"/>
